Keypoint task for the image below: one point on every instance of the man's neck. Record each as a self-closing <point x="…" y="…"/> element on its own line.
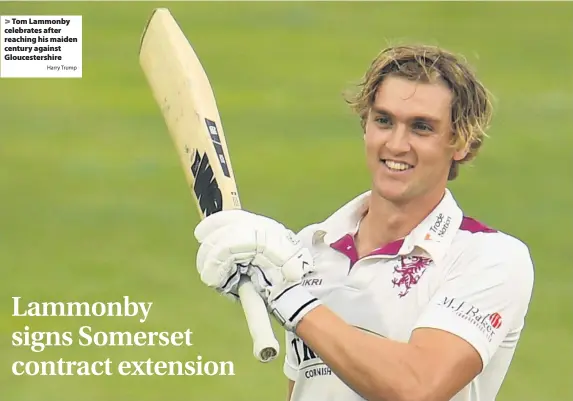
<point x="386" y="222"/>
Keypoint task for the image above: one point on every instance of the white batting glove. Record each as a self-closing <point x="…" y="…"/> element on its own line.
<point x="276" y="272"/>
<point x="218" y="268"/>
<point x="223" y="256"/>
<point x="232" y="240"/>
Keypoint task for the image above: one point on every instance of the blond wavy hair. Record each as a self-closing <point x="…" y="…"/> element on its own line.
<point x="471" y="108"/>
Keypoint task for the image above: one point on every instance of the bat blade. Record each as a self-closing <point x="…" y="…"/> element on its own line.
<point x="182" y="90"/>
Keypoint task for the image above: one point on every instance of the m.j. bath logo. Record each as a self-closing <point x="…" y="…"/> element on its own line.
<point x="487" y="323"/>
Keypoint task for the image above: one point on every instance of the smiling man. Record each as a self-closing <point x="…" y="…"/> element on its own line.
<point x="397" y="296"/>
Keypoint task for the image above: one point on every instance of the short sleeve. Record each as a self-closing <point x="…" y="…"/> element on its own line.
<point x="485" y="295"/>
<point x="290" y="366"/>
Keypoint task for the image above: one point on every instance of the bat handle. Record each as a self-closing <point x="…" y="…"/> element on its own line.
<point x="265" y="345"/>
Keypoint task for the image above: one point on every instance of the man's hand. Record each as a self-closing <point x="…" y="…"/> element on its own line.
<point x="234" y="243"/>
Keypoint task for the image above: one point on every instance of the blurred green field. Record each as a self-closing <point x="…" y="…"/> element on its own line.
<point x="94" y="206"/>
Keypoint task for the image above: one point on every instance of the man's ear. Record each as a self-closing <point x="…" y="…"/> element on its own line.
<point x="461" y="154"/>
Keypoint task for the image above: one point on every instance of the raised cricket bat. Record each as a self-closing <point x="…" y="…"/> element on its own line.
<point x="183" y="92"/>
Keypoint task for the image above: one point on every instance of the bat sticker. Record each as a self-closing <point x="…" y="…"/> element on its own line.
<point x="206" y="187"/>
<point x="214" y="133"/>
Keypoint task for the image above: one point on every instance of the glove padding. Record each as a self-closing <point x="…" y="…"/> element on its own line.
<point x="278" y="280"/>
<point x="236" y="242"/>
<point x="288" y="301"/>
<point x="221" y="262"/>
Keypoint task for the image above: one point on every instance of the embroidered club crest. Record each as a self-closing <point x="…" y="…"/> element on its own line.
<point x="409" y="272"/>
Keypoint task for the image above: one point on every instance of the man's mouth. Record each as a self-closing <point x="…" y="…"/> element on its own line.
<point x="397" y="166"/>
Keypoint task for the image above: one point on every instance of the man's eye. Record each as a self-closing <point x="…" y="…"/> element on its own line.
<point x="383" y="120"/>
<point x="422" y="127"/>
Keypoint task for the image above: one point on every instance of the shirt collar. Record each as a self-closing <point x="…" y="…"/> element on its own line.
<point x="433" y="235"/>
<point x="344" y="221"/>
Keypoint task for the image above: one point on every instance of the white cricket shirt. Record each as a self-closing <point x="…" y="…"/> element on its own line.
<point x="451" y="273"/>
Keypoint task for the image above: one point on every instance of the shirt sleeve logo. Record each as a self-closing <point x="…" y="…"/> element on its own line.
<point x="495" y="320"/>
<point x="487" y="323"/>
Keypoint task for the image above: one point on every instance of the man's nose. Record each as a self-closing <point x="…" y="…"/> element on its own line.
<point x="399" y="140"/>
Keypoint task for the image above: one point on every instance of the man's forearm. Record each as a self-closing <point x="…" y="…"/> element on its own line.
<point x="376" y="368"/>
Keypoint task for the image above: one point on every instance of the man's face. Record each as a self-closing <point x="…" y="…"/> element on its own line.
<point x="407" y="138"/>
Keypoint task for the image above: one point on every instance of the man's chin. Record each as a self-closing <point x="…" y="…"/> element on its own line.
<point x="394" y="192"/>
